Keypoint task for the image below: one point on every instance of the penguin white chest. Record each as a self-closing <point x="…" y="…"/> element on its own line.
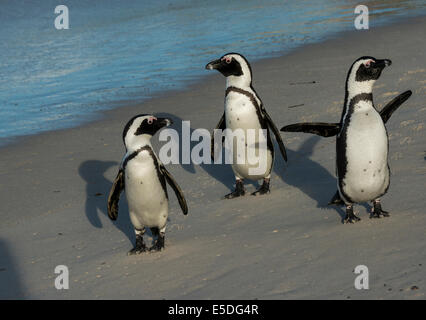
<point x="240" y="112"/>
<point x="367" y="171"/>
<point x="148" y="203"/>
<point x="251" y="158"/>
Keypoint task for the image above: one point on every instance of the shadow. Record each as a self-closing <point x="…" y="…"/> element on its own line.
<point x="220" y="172"/>
<point x="97" y="190"/>
<point x="300" y="171"/>
<point x="10" y="285"/>
<point x="367" y="207"/>
<point x="307" y="175"/>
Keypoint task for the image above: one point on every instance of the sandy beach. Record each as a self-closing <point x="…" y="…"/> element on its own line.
<point x="285" y="245"/>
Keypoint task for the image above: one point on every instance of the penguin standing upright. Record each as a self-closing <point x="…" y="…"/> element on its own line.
<point x="143" y="177"/>
<point x="362" y="141"/>
<point x="243" y="111"/>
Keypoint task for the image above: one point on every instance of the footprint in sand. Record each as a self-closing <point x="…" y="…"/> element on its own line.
<point x="389" y="94"/>
<point x="406" y="140"/>
<point x="407" y="74"/>
<point x="418" y="127"/>
<point x="406" y="123"/>
<point x="397" y="155"/>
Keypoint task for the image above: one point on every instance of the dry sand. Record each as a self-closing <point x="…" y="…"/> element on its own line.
<point x="285" y="245"/>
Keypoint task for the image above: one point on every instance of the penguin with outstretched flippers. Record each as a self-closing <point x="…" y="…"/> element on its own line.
<point x="362" y="141"/>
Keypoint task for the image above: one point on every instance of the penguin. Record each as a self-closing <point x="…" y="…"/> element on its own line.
<point x="362" y="142"/>
<point x="244" y="110"/>
<point x="143" y="177"/>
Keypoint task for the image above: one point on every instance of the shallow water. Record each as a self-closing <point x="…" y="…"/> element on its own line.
<point x="132" y="50"/>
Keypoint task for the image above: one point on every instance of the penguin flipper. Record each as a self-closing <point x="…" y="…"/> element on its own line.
<point x="394" y="104"/>
<point x="274" y="129"/>
<point x="221" y="125"/>
<point x="318" y="128"/>
<point x="178" y="191"/>
<point x="114" y="195"/>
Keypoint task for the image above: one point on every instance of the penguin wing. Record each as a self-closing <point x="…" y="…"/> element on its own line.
<point x="114" y="195"/>
<point x="221" y="125"/>
<point x="274" y="129"/>
<point x="319" y="128"/>
<point x="176" y="188"/>
<point x="388" y="109"/>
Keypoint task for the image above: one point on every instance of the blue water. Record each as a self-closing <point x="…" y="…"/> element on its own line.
<point x="131" y="50"/>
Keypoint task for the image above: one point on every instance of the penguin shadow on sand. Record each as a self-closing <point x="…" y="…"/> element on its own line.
<point x="97" y="191"/>
<point x="307" y="175"/>
<point x="10" y="284"/>
<point x="220" y="172"/>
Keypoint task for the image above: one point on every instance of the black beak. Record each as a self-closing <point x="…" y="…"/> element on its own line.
<point x="163" y="122"/>
<point x="381" y="64"/>
<point x="215" y="64"/>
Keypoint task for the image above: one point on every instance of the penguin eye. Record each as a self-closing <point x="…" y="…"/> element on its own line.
<point x="227" y="60"/>
<point x="151" y="120"/>
<point x="368" y="63"/>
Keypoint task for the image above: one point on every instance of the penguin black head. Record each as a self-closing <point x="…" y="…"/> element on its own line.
<point x="234" y="67"/>
<point x="364" y="72"/>
<point x="369" y="68"/>
<point x="143" y="127"/>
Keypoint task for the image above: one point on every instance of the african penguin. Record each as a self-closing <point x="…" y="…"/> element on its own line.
<point x="143" y="177"/>
<point x="362" y="142"/>
<point x="244" y="110"/>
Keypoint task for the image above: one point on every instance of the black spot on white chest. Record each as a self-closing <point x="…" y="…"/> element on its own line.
<point x="142" y="170"/>
<point x="240" y="112"/>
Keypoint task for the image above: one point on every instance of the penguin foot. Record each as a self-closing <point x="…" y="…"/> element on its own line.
<point x="158" y="245"/>
<point x="350" y="216"/>
<point x="377" y="211"/>
<point x="238" y="192"/>
<point x="136" y="250"/>
<point x="264" y="189"/>
<point x="139" y="247"/>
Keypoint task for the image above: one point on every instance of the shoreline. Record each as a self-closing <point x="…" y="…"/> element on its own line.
<point x="54" y="185"/>
<point x="103" y="115"/>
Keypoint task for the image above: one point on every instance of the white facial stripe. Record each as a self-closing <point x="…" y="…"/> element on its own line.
<point x="242" y="81"/>
<point x="133" y="141"/>
<point x="243" y="64"/>
<point x="357" y="87"/>
<point x="137" y="122"/>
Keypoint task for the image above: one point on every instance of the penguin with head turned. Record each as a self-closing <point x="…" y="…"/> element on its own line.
<point x="362" y="142"/>
<point x="245" y="112"/>
<point x="143" y="177"/>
